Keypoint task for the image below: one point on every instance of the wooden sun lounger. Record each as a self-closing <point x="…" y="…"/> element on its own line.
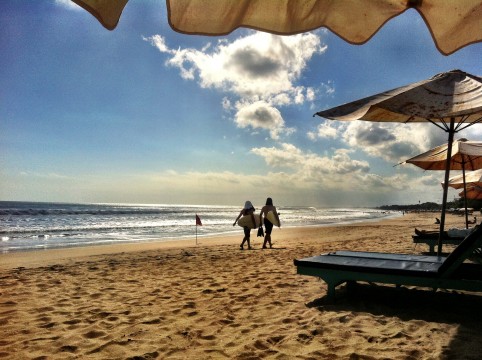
<point x="449" y="272"/>
<point x="432" y="241"/>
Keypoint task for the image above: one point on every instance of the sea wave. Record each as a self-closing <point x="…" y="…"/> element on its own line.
<point x="27" y="225"/>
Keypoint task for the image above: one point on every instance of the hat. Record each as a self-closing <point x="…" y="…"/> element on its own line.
<point x="248" y="205"/>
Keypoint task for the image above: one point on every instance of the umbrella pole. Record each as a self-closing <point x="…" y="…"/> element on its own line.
<point x="446" y="182"/>
<point x="465" y="198"/>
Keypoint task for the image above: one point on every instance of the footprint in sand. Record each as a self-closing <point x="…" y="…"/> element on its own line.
<point x="94" y="334"/>
<point x="189" y="305"/>
<point x="48" y="325"/>
<point x="72" y="322"/>
<point x="69" y="348"/>
<point x="275" y="339"/>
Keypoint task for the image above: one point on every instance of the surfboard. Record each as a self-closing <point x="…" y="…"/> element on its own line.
<point x="247" y="220"/>
<point x="273" y="218"/>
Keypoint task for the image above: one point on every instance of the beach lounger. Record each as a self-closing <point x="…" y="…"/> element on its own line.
<point x="432" y="241"/>
<point x="435" y="272"/>
<point x="452" y="237"/>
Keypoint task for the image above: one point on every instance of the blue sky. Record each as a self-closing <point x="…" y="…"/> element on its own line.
<point x="143" y="114"/>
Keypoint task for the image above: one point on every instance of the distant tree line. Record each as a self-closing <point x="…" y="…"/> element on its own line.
<point x="431" y="206"/>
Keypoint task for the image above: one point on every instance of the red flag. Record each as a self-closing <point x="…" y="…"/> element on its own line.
<point x="198" y="221"/>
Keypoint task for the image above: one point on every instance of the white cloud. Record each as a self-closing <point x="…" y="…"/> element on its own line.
<point x="310" y="94"/>
<point x="226" y="103"/>
<point x="159" y="42"/>
<point x="324" y="130"/>
<point x="261" y="115"/>
<point x="68" y="4"/>
<point x="392" y="142"/>
<point x="329" y="172"/>
<point x="44" y="175"/>
<point x="294" y="177"/>
<point x="260" y="64"/>
<point x="338" y="179"/>
<point x="328" y="87"/>
<point x="256" y="69"/>
<point x="319" y="180"/>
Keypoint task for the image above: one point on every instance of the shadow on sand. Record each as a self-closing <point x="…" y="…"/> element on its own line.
<point x="450" y="307"/>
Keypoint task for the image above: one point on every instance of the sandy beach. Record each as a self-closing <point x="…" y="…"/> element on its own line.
<point x="180" y="300"/>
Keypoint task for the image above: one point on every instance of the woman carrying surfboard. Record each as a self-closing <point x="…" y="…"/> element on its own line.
<point x="270" y="218"/>
<point x="248" y="222"/>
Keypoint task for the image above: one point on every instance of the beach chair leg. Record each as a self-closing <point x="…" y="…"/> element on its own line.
<point x="331" y="291"/>
<point x="351" y="286"/>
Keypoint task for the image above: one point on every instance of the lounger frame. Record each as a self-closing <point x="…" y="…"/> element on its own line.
<point x="432" y="242"/>
<point x="434" y="272"/>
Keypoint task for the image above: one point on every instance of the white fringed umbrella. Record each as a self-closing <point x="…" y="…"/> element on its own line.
<point x="466" y="155"/>
<point x="453" y="24"/>
<point x="452" y="101"/>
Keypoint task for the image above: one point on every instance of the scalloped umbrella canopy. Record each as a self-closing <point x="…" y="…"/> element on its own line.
<point x="473" y="193"/>
<point x="466" y="155"/>
<point x="453" y="94"/>
<point x="473" y="178"/>
<point x="453" y="24"/>
<point x="452" y="101"/>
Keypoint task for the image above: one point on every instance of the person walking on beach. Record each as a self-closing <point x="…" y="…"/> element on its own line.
<point x="247" y="210"/>
<point x="268" y="224"/>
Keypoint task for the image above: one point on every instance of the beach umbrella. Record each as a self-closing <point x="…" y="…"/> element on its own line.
<point x="452" y="24"/>
<point x="471" y="178"/>
<point x="466" y="155"/>
<point x="472" y="192"/>
<point x="451" y="101"/>
<point x="469" y="181"/>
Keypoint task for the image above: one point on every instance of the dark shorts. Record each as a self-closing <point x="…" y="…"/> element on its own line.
<point x="268" y="226"/>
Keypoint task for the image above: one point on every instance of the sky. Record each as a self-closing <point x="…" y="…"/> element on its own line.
<point x="145" y="115"/>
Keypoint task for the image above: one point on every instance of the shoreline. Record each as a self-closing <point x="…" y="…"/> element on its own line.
<point x="50" y="226"/>
<point x="214" y="301"/>
<point x="39" y="257"/>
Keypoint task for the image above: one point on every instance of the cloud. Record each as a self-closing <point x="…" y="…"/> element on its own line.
<point x="68" y="4"/>
<point x="324" y="130"/>
<point x="261" y="115"/>
<point x="158" y="42"/>
<point x="260" y="64"/>
<point x="294" y="177"/>
<point x="312" y="168"/>
<point x="31" y="174"/>
<point x="393" y="142"/>
<point x="328" y="87"/>
<point x="338" y="179"/>
<point x="372" y="135"/>
<point x="318" y="180"/>
<point x="226" y="103"/>
<point x="258" y="72"/>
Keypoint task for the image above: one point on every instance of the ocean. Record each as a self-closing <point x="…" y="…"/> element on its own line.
<point x="37" y="226"/>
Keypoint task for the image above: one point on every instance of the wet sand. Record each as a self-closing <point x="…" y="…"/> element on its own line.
<point x="179" y="300"/>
